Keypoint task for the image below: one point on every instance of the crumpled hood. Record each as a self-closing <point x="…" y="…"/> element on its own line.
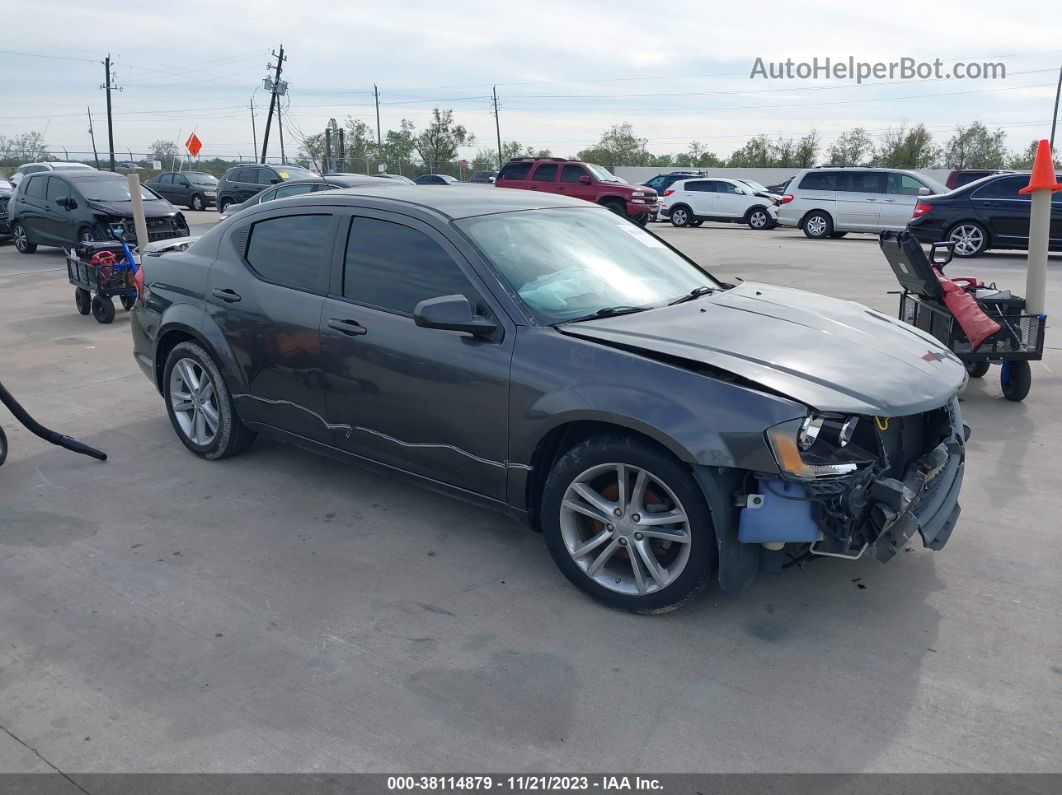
<point x="830" y="354"/>
<point x="125" y="209"/>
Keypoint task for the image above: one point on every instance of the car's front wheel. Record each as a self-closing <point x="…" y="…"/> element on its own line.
<point x="223" y="206"/>
<point x="22" y="241"/>
<point x="627" y="523"/>
<point x="200" y="406"/>
<point x="197" y="203"/>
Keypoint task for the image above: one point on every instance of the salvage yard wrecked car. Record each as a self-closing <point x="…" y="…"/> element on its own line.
<point x="543" y="356"/>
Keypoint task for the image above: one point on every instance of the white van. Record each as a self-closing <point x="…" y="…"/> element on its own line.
<point x="831" y="202"/>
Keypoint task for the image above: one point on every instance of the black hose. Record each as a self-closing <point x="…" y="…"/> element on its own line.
<point x="45" y="433"/>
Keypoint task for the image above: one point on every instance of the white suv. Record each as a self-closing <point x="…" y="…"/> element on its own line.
<point x="691" y="202"/>
<point x="831" y="202"/>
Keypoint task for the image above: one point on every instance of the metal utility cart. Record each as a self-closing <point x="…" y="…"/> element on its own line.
<point x="101" y="272"/>
<point x="1020" y="338"/>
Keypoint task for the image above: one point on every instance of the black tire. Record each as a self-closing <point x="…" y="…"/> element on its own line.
<point x="618" y="207"/>
<point x="664" y="468"/>
<point x="696" y="223"/>
<point x="680" y="215"/>
<point x="21" y="237"/>
<point x="817" y="225"/>
<point x="223" y="206"/>
<point x="977" y="369"/>
<point x="127" y="301"/>
<point x="758" y="218"/>
<point x="197" y="203"/>
<point x="102" y="309"/>
<point x="82" y="300"/>
<point x="971" y="239"/>
<point x="1016" y="380"/>
<point x="232" y="436"/>
<point x="3" y="446"/>
<point x="837" y="235"/>
<point x="642" y="220"/>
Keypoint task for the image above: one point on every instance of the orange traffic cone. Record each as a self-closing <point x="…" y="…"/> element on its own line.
<point x="1043" y="170"/>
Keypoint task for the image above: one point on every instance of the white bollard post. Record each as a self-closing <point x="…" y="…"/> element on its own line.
<point x="1041" y="185"/>
<point x="139" y="219"/>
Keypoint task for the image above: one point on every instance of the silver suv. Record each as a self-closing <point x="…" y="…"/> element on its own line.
<point x="831" y="202"/>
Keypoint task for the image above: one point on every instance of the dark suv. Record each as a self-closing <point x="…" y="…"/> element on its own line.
<point x="582" y="181"/>
<point x="196" y="190"/>
<point x="242" y="182"/>
<point x="535" y="354"/>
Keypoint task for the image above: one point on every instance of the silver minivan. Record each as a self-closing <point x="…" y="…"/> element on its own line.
<point x="831" y="202"/>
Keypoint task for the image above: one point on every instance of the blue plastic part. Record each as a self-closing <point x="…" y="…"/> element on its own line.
<point x="779" y="519"/>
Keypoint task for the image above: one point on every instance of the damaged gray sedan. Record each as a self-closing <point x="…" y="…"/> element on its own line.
<point x="546" y="357"/>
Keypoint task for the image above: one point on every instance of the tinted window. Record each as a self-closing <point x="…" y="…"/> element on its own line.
<point x="725" y="187"/>
<point x="242" y="175"/>
<point x="864" y="182"/>
<point x="294" y="250"/>
<point x="820" y="180"/>
<point x="515" y="171"/>
<point x="546" y="172"/>
<point x="572" y="173"/>
<point x="1005" y="188"/>
<point x="700" y="186"/>
<point x="395" y="267"/>
<point x="293" y="190"/>
<point x="33" y="187"/>
<point x="180" y="180"/>
<point x="265" y="196"/>
<point x="57" y="189"/>
<point x="904" y="184"/>
<point x="165" y="179"/>
<point x="656" y="183"/>
<point x="265" y="176"/>
<point x="34" y="169"/>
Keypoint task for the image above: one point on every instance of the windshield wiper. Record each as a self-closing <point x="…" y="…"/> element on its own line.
<point x="608" y="311"/>
<point x="693" y="295"/>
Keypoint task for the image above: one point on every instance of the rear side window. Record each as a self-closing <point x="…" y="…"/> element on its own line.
<point x="515" y="171"/>
<point x="1005" y="188"/>
<point x="546" y="172"/>
<point x="571" y="173"/>
<point x="57" y="189"/>
<point x="239" y="175"/>
<point x="294" y="250"/>
<point x="34" y="187"/>
<point x="820" y="180"/>
<point x="701" y="186"/>
<point x="394" y="267"/>
<point x="865" y="182"/>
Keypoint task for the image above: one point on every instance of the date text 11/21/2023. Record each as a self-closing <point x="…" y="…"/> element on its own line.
<point x="522" y="783"/>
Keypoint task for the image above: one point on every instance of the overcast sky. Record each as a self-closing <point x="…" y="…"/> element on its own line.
<point x="565" y="71"/>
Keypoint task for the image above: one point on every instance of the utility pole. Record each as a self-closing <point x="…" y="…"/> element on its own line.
<point x="273" y="103"/>
<point x="342" y="152"/>
<point x="108" y="87"/>
<point x="497" y="124"/>
<point x="254" y="133"/>
<point x="328" y="151"/>
<point x="379" y="136"/>
<point x="92" y="135"/>
<point x="1054" y="118"/>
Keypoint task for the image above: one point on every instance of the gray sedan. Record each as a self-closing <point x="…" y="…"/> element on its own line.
<point x="539" y="355"/>
<point x="297" y="187"/>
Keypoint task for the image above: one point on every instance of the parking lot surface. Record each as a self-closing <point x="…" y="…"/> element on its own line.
<point x="280" y="611"/>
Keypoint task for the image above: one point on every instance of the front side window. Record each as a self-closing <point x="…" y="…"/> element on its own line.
<point x="293" y="190"/>
<point x="294" y="250"/>
<point x="166" y="179"/>
<point x="394" y="267"/>
<point x="904" y="185"/>
<point x="265" y="176"/>
<point x="572" y="173"/>
<point x="572" y="262"/>
<point x="726" y="187"/>
<point x="57" y="189"/>
<point x="602" y="174"/>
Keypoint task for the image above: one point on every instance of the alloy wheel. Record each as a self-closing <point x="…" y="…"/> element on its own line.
<point x="197" y="202"/>
<point x="21" y="239"/>
<point x="625" y="528"/>
<point x="679" y="217"/>
<point x="758" y="219"/>
<point x="194" y="402"/>
<point x="816" y="226"/>
<point x="968" y="239"/>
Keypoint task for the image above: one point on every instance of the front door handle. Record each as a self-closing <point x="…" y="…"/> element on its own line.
<point x="349" y="327"/>
<point x="226" y="295"/>
<point x="989" y="204"/>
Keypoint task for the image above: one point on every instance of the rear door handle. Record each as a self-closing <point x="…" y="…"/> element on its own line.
<point x="349" y="327"/>
<point x="226" y="295"/>
<point x="989" y="204"/>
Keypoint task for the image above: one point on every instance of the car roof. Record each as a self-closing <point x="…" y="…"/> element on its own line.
<point x="93" y="174"/>
<point x="473" y="201"/>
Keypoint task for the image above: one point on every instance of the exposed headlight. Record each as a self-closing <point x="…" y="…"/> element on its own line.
<point x="790" y="440"/>
<point x="809" y="432"/>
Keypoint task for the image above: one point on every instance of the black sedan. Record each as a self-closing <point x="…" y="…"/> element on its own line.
<point x="60" y="208"/>
<point x="297" y="187"/>
<point x="6" y="189"/>
<point x="986" y="214"/>
<point x="437" y="179"/>
<point x="536" y="354"/>
<point x="196" y="190"/>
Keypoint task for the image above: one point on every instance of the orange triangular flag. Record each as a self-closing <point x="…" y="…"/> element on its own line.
<point x="1043" y="170"/>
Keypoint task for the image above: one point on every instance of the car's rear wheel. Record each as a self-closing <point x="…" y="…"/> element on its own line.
<point x="970" y="239"/>
<point x="817" y="225"/>
<point x="200" y="406"/>
<point x="758" y="218"/>
<point x="681" y="216"/>
<point x="627" y="523"/>
<point x="223" y="205"/>
<point x="21" y="237"/>
<point x="197" y="202"/>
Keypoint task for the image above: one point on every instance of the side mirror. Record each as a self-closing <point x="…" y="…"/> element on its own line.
<point x="923" y="191"/>
<point x="66" y="202"/>
<point x="584" y="179"/>
<point x="274" y="181"/>
<point x="452" y="313"/>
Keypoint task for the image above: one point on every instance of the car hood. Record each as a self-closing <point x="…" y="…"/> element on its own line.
<point x="830" y="354"/>
<point x="125" y="209"/>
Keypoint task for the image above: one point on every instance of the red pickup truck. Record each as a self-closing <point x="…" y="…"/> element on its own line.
<point x="582" y="180"/>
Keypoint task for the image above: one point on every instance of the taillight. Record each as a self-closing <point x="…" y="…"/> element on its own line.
<point x="786" y="199"/>
<point x="669" y="191"/>
<point x="921" y="209"/>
